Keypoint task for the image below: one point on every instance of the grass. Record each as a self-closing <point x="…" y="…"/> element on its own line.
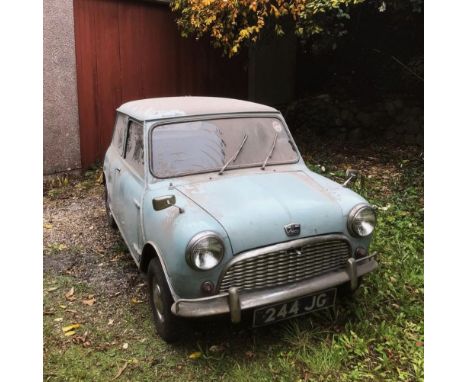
<point x="377" y="336"/>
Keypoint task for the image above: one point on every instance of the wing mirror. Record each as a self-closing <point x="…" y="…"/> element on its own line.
<point x="163" y="202"/>
<point x="351" y="176"/>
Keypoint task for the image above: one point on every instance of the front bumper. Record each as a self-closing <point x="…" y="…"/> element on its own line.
<point x="234" y="302"/>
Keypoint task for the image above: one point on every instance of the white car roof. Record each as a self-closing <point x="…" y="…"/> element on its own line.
<point x="167" y="107"/>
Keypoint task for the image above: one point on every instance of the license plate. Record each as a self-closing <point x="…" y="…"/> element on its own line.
<point x="283" y="311"/>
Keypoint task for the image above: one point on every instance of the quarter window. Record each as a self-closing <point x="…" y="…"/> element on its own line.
<point x="134" y="153"/>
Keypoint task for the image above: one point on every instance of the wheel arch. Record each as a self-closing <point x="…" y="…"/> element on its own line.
<point x="148" y="253"/>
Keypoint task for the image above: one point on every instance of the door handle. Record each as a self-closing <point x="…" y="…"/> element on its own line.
<point x="117" y="169"/>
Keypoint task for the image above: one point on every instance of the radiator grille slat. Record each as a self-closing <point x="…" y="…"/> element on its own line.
<point x="286" y="266"/>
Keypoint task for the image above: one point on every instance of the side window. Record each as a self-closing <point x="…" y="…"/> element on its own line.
<point x="119" y="132"/>
<point x="134" y="150"/>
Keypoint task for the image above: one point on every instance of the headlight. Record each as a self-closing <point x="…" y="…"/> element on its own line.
<point x="205" y="251"/>
<point x="361" y="220"/>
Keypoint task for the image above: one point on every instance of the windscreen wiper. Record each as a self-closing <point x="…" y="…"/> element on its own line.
<point x="270" y="152"/>
<point x="234" y="157"/>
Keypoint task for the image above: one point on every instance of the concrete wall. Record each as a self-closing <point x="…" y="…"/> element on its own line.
<point x="60" y="118"/>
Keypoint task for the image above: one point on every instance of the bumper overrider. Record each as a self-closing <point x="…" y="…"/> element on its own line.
<point x="234" y="302"/>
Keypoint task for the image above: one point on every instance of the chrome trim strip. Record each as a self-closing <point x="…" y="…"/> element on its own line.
<point x="372" y="255"/>
<point x="351" y="269"/>
<point x="234" y="305"/>
<point x="279" y="247"/>
<point x="220" y="304"/>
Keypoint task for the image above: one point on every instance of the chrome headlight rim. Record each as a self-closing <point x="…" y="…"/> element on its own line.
<point x="196" y="240"/>
<point x="352" y="215"/>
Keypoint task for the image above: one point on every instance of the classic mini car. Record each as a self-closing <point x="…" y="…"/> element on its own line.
<point x="220" y="212"/>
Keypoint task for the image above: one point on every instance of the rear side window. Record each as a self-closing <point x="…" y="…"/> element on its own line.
<point x="119" y="132"/>
<point x="134" y="153"/>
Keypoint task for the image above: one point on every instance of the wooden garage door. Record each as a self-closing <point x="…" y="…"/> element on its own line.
<point x="127" y="50"/>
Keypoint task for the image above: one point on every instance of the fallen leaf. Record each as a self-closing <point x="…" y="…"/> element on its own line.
<point x="125" y="346"/>
<point x="121" y="370"/>
<point x="70" y="327"/>
<point x="48" y="226"/>
<point x="70" y="293"/>
<point x="110" y="322"/>
<point x="100" y="179"/>
<point x="419" y="344"/>
<point x="135" y="301"/>
<point x="52" y="289"/>
<point x="383" y="208"/>
<point x="89" y="302"/>
<point x="63" y="306"/>
<point x="58" y="319"/>
<point x="70" y="333"/>
<point x="82" y="340"/>
<point x="195" y="355"/>
<point x="216" y="349"/>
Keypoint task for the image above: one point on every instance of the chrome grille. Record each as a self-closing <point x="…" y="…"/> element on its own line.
<point x="285" y="264"/>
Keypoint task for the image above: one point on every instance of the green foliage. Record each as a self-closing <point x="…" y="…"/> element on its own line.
<point x="234" y="24"/>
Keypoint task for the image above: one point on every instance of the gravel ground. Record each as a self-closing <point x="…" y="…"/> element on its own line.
<point x="79" y="242"/>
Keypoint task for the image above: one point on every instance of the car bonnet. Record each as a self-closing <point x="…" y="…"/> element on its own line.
<point x="255" y="208"/>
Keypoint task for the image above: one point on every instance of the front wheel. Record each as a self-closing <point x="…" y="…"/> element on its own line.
<point x="345" y="291"/>
<point x="167" y="325"/>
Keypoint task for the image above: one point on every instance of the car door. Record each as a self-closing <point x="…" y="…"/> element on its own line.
<point x="113" y="162"/>
<point x="130" y="187"/>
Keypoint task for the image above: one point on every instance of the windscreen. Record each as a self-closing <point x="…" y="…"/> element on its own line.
<point x="203" y="146"/>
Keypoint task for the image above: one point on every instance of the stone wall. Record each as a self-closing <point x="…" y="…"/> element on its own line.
<point x="60" y="108"/>
<point x="396" y="119"/>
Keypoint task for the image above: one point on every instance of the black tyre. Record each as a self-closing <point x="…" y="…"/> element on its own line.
<point x="110" y="218"/>
<point x="168" y="326"/>
<point x="345" y="291"/>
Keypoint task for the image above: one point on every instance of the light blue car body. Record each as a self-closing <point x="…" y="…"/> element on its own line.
<point x="248" y="208"/>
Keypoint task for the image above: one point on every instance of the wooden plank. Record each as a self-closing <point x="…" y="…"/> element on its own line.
<point x="127" y="50"/>
<point x="131" y="55"/>
<point x="86" y="74"/>
<point x="158" y="40"/>
<point x="109" y="89"/>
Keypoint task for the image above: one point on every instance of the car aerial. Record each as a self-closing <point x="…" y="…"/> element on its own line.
<point x="222" y="215"/>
